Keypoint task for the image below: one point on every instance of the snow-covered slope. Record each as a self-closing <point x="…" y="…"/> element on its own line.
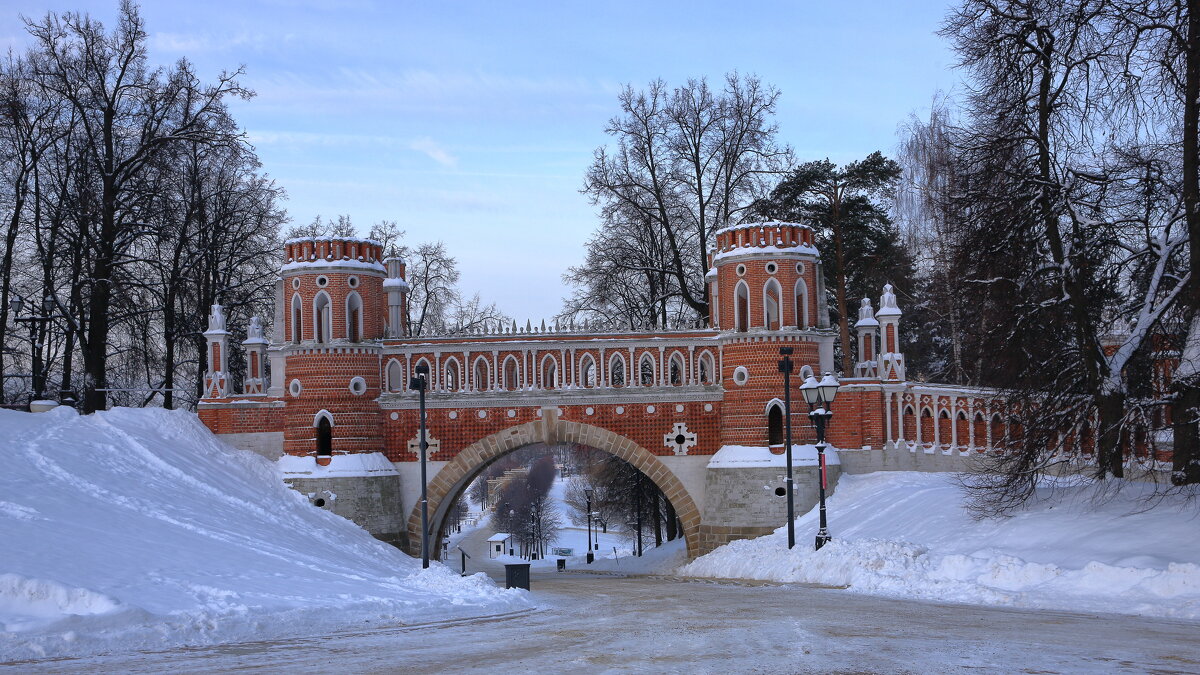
<point x="137" y="529"/>
<point x="907" y="535"/>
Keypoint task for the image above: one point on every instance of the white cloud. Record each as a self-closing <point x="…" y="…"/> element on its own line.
<point x="437" y="153"/>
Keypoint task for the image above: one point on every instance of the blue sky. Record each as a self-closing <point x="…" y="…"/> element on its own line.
<point x="473" y="122"/>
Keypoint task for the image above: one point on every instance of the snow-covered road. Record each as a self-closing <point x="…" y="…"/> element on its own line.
<point x="668" y="625"/>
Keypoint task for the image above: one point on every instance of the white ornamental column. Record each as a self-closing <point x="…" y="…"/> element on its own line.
<point x="256" y="347"/>
<point x="891" y="360"/>
<point x="215" y="381"/>
<point x="397" y="295"/>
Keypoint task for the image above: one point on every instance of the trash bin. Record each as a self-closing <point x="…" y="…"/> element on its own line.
<point x="516" y="575"/>
<point x="562" y="564"/>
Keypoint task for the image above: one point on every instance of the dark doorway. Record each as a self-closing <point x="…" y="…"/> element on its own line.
<point x="324" y="437"/>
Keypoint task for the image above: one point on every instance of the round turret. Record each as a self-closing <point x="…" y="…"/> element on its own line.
<point x="765" y="276"/>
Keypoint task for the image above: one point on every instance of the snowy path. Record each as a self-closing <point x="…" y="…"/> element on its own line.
<point x="666" y="625"/>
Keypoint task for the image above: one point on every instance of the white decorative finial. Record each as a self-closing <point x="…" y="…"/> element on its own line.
<point x="866" y="314"/>
<point x="887" y="303"/>
<point x="216" y="320"/>
<point x="255" y="329"/>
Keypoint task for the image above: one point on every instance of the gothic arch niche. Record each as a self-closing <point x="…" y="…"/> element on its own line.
<point x="772" y="296"/>
<point x="297" y="319"/>
<point x="512" y="376"/>
<point x="448" y="484"/>
<point x="741" y="307"/>
<point x="646" y="370"/>
<point x="549" y="379"/>
<point x="480" y="381"/>
<point x="395" y="376"/>
<point x="451" y="380"/>
<point x="354" y="313"/>
<point x="322" y="317"/>
<point x="616" y="371"/>
<point x="675" y="372"/>
<point x="323" y="423"/>
<point x="587" y="371"/>
<point x="775" y="423"/>
<point x="801" y="309"/>
<point x="431" y="377"/>
<point x="707" y="368"/>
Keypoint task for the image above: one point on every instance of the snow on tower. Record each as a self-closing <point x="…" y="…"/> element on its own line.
<point x="215" y="381"/>
<point x="867" y="327"/>
<point x="892" y="359"/>
<point x="256" y="346"/>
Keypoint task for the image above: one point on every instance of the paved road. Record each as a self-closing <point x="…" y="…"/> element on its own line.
<point x="606" y="624"/>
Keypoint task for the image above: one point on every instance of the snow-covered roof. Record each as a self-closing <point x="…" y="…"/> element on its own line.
<point x="352" y="240"/>
<point x="500" y="536"/>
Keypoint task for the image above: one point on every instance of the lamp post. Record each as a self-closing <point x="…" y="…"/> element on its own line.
<point x="420" y="382"/>
<point x="588" y="492"/>
<point x="819" y="396"/>
<point x="785" y="367"/>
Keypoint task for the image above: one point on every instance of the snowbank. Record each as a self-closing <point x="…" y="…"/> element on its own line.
<point x="135" y="529"/>
<point x="905" y="534"/>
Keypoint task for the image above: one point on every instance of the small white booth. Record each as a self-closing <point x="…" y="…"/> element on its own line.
<point x="498" y="544"/>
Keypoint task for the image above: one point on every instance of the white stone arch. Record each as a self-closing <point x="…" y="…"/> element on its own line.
<point x="801" y="303"/>
<point x="481" y="379"/>
<point x="707" y="367"/>
<point x="741" y="307"/>
<point x="647" y="375"/>
<point x="510" y="371"/>
<point x="394" y="374"/>
<point x="676" y="369"/>
<point x="323" y="414"/>
<point x="587" y="371"/>
<point x="354" y="317"/>
<point x="618" y="375"/>
<point x="549" y="372"/>
<point x="297" y="319"/>
<point x="452" y="374"/>
<point x="772" y="305"/>
<point x="449" y="481"/>
<point x="322" y="317"/>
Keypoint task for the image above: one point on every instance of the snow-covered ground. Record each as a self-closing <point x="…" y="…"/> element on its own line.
<point x="907" y="535"/>
<point x="136" y="529"/>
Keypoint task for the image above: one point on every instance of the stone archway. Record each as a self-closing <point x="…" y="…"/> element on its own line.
<point x="466" y="465"/>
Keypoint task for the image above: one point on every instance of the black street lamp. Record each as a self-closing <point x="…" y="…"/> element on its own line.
<point x="588" y="494"/>
<point x="819" y="396"/>
<point x="420" y="382"/>
<point x="785" y="367"/>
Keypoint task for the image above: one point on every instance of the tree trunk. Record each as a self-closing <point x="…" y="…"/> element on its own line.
<point x="1111" y="413"/>
<point x="843" y="318"/>
<point x="657" y="519"/>
<point x="1185" y="406"/>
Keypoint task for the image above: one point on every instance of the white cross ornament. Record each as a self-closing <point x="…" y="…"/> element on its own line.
<point x="680" y="439"/>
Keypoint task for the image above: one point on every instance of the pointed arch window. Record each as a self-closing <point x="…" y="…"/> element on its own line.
<point x="324" y="436"/>
<point x="480" y="378"/>
<point x="432" y="376"/>
<point x="587" y="371"/>
<point x="512" y="380"/>
<point x="706" y="368"/>
<point x="297" y="318"/>
<point x="646" y="371"/>
<point x="321" y="317"/>
<point x="353" y="317"/>
<point x="451" y="380"/>
<point x="771" y="305"/>
<point x="801" y="304"/>
<point x="549" y="373"/>
<point x="675" y="370"/>
<point x="395" y="376"/>
<point x="775" y="425"/>
<point x="616" y="371"/>
<point x="741" y="307"/>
